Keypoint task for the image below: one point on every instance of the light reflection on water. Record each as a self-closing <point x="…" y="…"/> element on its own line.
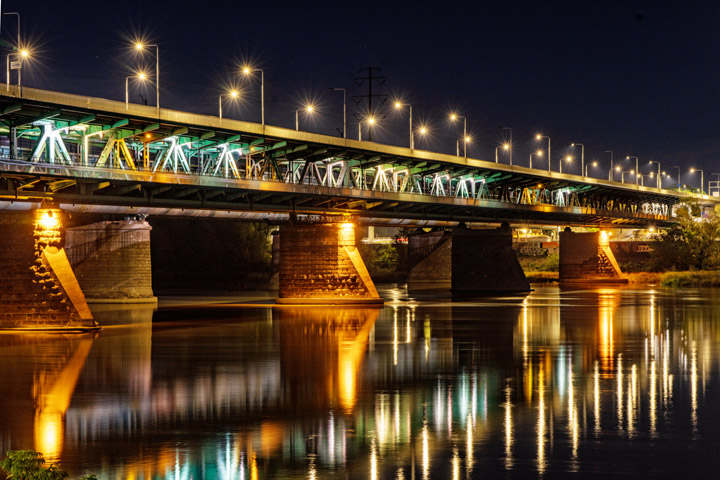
<point x="591" y="381"/>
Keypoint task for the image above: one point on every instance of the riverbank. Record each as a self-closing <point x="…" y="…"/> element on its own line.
<point x="666" y="279"/>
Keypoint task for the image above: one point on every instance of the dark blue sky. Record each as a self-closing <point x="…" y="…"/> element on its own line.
<point x="638" y="78"/>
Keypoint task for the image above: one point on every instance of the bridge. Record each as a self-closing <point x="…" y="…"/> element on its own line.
<point x="69" y="153"/>
<point x="95" y="153"/>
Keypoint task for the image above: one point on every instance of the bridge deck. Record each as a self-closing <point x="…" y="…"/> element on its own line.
<point x="91" y="151"/>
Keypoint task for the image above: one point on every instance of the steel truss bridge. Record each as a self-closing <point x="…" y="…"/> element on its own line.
<point x="102" y="155"/>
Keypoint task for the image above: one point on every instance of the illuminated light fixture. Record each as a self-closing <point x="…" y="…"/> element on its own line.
<point x="539" y="153"/>
<point x="139" y="46"/>
<point x="48" y="220"/>
<point x="142" y="75"/>
<point x="467" y="139"/>
<point x="234" y="93"/>
<point x="506" y="146"/>
<point x="604" y="237"/>
<point x="147" y="135"/>
<point x="346" y="226"/>
<point x="371" y="120"/>
<point x="423" y="130"/>
<point x="24" y="53"/>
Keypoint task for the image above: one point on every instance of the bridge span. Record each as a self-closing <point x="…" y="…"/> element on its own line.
<point x="61" y="152"/>
<point x="94" y="154"/>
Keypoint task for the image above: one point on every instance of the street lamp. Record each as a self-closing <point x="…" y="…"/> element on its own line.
<point x="622" y="175"/>
<point x="610" y="172"/>
<point x="659" y="181"/>
<point x="567" y="159"/>
<point x="308" y="109"/>
<point x="22" y="54"/>
<point x="140" y="76"/>
<point x="140" y="47"/>
<point x="594" y="164"/>
<point x="454" y="117"/>
<point x="344" y="110"/>
<point x="509" y="142"/>
<point x="538" y="154"/>
<point x="231" y="94"/>
<point x="423" y="131"/>
<point x="702" y="182"/>
<point x="247" y="70"/>
<point x="636" y="168"/>
<point x="678" y="169"/>
<point x="539" y="137"/>
<point x="369" y="121"/>
<point x="582" y="156"/>
<point x="506" y="147"/>
<point x="398" y="106"/>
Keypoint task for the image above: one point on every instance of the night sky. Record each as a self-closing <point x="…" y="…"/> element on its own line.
<point x="638" y="78"/>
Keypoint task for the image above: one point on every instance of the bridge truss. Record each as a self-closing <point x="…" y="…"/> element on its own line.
<point x="73" y="149"/>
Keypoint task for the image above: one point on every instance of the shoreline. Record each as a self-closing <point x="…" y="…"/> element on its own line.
<point x="700" y="278"/>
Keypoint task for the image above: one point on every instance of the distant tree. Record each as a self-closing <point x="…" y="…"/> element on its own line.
<point x="691" y="244"/>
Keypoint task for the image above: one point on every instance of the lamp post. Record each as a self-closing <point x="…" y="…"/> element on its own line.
<point x="398" y="106"/>
<point x="702" y="182"/>
<point x="505" y="147"/>
<point x="594" y="164"/>
<point x="510" y="143"/>
<point x="659" y="181"/>
<point x="582" y="156"/>
<point x="610" y="172"/>
<point x="20" y="56"/>
<point x="247" y="71"/>
<point x="539" y="137"/>
<point x="370" y="121"/>
<point x="231" y="94"/>
<point x="140" y="47"/>
<point x="637" y="180"/>
<point x="466" y="139"/>
<point x="344" y="110"/>
<point x="538" y="154"/>
<point x="309" y="109"/>
<point x="567" y="159"/>
<point x="622" y="175"/>
<point x="678" y="179"/>
<point x="140" y="76"/>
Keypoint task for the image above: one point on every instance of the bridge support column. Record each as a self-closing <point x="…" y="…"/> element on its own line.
<point x="319" y="264"/>
<point x="483" y="263"/>
<point x="586" y="257"/>
<point x="38" y="289"/>
<point x="112" y="261"/>
<point x="430" y="261"/>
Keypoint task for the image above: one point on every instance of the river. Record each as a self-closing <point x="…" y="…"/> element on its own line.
<point x="586" y="382"/>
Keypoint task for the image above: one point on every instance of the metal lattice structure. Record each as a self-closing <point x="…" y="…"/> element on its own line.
<point x="74" y="149"/>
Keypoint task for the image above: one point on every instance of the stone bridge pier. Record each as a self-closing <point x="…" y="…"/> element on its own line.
<point x="468" y="262"/>
<point x="586" y="257"/>
<point x="320" y="264"/>
<point x="38" y="289"/>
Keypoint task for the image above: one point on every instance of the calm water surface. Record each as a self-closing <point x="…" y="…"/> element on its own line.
<point x="563" y="382"/>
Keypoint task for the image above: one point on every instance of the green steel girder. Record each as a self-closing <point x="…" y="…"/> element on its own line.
<point x="11" y="109"/>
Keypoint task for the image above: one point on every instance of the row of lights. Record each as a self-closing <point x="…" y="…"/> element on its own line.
<point x="371" y="121"/>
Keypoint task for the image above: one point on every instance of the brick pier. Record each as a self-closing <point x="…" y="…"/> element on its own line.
<point x="320" y="264"/>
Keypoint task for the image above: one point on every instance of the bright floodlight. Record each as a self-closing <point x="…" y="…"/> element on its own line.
<point x="309" y="108"/>
<point x="692" y="170"/>
<point x="142" y="76"/>
<point x="398" y="104"/>
<point x="246" y="70"/>
<point x="234" y="93"/>
<point x="423" y="130"/>
<point x="617" y="169"/>
<point x="453" y="117"/>
<point x="506" y="146"/>
<point x="24" y="53"/>
<point x="139" y="46"/>
<point x="467" y="139"/>
<point x="594" y="164"/>
<point x="568" y="158"/>
<point x="539" y="153"/>
<point x="371" y="120"/>
<point x="538" y="136"/>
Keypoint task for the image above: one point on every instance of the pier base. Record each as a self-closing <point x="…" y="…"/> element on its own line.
<point x="586" y="258"/>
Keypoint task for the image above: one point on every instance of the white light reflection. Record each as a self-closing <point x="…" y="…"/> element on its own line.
<point x="596" y="396"/>
<point x="541" y="463"/>
<point x="373" y="460"/>
<point x="395" y="336"/>
<point x="469" y="453"/>
<point x="425" y="451"/>
<point x="508" y="429"/>
<point x="653" y="399"/>
<point x="573" y="424"/>
<point x="632" y="401"/>
<point x="693" y="387"/>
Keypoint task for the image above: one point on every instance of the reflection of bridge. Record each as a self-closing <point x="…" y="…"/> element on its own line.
<point x="89" y="151"/>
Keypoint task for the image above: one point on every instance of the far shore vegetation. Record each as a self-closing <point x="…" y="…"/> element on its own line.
<point x="685" y="255"/>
